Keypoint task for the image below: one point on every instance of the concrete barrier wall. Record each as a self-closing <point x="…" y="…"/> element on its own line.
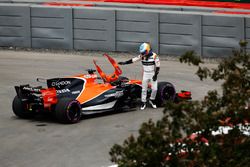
<point x="220" y="35"/>
<point x="247" y="31"/>
<point x="179" y="33"/>
<point x="51" y="27"/>
<point x="133" y="28"/>
<point x="15" y="25"/>
<point x="107" y="29"/>
<point x="94" y="29"/>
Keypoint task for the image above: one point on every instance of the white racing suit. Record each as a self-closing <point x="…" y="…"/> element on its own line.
<point x="149" y="63"/>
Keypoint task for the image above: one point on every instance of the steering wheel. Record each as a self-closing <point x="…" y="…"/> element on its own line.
<point x="91" y="71"/>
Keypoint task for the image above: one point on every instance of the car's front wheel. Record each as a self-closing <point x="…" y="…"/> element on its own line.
<point x="68" y="111"/>
<point x="166" y="92"/>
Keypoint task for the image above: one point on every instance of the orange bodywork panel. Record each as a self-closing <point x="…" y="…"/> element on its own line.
<point x="109" y="78"/>
<point x="93" y="90"/>
<point x="138" y="82"/>
<point x="118" y="71"/>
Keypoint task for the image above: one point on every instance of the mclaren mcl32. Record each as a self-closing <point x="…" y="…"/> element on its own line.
<point x="71" y="97"/>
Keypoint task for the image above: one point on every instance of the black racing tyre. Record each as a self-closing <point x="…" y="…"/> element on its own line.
<point x="68" y="111"/>
<point x="166" y="92"/>
<point x="19" y="109"/>
<point x="135" y="91"/>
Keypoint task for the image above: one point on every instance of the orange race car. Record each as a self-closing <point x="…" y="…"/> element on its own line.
<point x="71" y="97"/>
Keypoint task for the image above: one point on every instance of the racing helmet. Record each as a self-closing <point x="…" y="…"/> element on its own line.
<point x="145" y="49"/>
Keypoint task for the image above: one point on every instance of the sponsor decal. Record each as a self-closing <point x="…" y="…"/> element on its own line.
<point x="76" y="92"/>
<point x="116" y="94"/>
<point x="60" y="83"/>
<point x="87" y="76"/>
<point x="31" y="89"/>
<point x="62" y="91"/>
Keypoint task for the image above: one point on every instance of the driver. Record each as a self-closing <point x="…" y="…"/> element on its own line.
<point x="151" y="67"/>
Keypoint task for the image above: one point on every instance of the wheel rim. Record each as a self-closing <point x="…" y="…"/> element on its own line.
<point x="73" y="111"/>
<point x="168" y="93"/>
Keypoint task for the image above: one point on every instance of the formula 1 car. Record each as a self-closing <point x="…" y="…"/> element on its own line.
<point x="71" y="97"/>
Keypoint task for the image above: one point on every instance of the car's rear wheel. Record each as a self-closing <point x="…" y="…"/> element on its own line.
<point x="20" y="109"/>
<point x="68" y="111"/>
<point x="166" y="92"/>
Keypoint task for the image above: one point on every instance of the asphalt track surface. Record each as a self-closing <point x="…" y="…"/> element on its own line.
<point x="42" y="142"/>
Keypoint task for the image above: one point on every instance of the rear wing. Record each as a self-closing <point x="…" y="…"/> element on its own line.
<point x="37" y="95"/>
<point x="23" y="91"/>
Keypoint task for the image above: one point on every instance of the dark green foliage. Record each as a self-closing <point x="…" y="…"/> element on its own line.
<point x="163" y="143"/>
<point x="190" y="58"/>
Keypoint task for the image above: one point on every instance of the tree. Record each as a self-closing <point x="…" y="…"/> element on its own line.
<point x="185" y="136"/>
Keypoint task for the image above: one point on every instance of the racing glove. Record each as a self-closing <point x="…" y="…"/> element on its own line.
<point x="126" y="62"/>
<point x="156" y="73"/>
<point x="154" y="78"/>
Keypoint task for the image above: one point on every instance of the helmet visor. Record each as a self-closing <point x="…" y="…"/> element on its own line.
<point x="144" y="53"/>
